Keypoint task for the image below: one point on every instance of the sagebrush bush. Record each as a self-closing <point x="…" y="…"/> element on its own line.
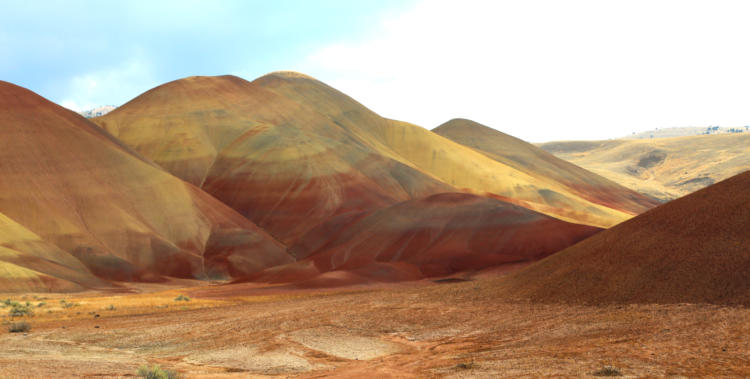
<point x="608" y="371"/>
<point x="19" y="327"/>
<point x="182" y="298"/>
<point x="156" y="372"/>
<point x="19" y="310"/>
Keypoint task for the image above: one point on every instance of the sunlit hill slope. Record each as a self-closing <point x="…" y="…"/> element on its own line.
<point x="76" y="202"/>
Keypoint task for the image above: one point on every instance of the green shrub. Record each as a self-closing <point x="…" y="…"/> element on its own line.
<point x="110" y="307"/>
<point x="156" y="372"/>
<point x="18" y="310"/>
<point x="19" y="327"/>
<point x="182" y="298"/>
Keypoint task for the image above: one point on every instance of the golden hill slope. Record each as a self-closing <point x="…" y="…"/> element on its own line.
<point x="522" y="155"/>
<point x="84" y="194"/>
<point x="317" y="151"/>
<point x="665" y="168"/>
<point x="29" y="264"/>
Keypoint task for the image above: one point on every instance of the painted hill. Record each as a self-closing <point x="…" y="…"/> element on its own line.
<point x="315" y="151"/>
<point x="286" y="164"/>
<point x="665" y="168"/>
<point x="73" y="196"/>
<point x="434" y="236"/>
<point x="29" y="264"/>
<point x="452" y="163"/>
<point x="522" y="155"/>
<point x="695" y="249"/>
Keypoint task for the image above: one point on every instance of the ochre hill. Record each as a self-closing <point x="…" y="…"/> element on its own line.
<point x="524" y="156"/>
<point x="286" y="165"/>
<point x="434" y="236"/>
<point x="695" y="249"/>
<point x="665" y="168"/>
<point x="455" y="164"/>
<point x="290" y="152"/>
<point x="29" y="264"/>
<point x="73" y="196"/>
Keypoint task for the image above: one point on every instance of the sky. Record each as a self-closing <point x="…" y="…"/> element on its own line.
<point x="540" y="70"/>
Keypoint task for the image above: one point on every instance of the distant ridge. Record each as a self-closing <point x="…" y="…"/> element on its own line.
<point x="687" y="131"/>
<point x="664" y="168"/>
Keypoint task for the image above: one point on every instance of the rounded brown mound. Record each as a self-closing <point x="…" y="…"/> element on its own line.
<point x="434" y="236"/>
<point x="695" y="249"/>
<point x="75" y="187"/>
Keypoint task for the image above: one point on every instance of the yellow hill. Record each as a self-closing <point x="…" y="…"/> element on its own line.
<point x="27" y="263"/>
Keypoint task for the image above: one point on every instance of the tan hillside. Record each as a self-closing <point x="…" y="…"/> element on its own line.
<point x="522" y="155"/>
<point x="665" y="168"/>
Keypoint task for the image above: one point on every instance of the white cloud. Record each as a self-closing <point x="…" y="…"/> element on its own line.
<point x="548" y="69"/>
<point x="114" y="85"/>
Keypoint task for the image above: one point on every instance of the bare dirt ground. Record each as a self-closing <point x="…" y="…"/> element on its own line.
<point x="454" y="329"/>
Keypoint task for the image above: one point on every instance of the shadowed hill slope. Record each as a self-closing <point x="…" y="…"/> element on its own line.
<point x="433" y="236"/>
<point x="73" y="186"/>
<point x="695" y="249"/>
<point x="29" y="264"/>
<point x="525" y="156"/>
<point x="286" y="146"/>
<point x="665" y="168"/>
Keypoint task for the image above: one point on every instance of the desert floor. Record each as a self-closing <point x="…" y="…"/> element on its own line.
<point x="453" y="329"/>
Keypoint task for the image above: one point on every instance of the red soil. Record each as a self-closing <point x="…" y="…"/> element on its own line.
<point x="434" y="236"/>
<point x="694" y="249"/>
